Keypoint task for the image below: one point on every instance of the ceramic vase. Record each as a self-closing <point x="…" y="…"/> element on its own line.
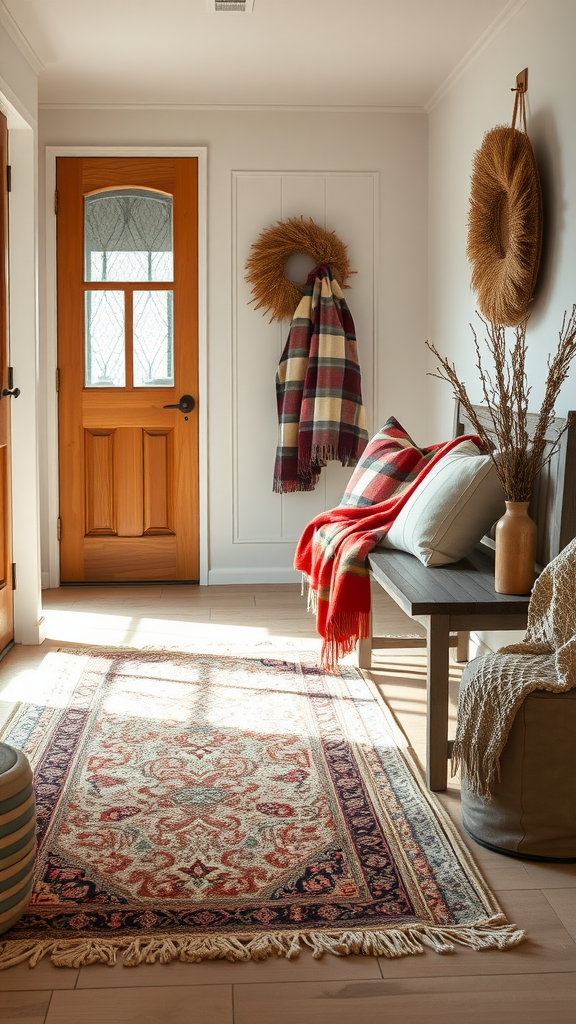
<point x="515" y="550"/>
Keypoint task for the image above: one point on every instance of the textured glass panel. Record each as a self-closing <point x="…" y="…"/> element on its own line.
<point x="153" y="339"/>
<point x="128" y="236"/>
<point x="105" y="364"/>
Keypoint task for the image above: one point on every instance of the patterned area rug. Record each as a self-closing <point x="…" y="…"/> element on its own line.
<point x="205" y="806"/>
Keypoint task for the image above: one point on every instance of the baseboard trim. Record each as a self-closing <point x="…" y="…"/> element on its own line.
<point x="31" y="636"/>
<point x="221" y="577"/>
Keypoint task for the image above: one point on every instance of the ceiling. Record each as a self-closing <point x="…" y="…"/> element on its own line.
<point x="367" y="53"/>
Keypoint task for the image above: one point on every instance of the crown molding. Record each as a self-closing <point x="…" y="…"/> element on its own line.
<point x="239" y="107"/>
<point x="494" y="29"/>
<point x="506" y="15"/>
<point x="17" y="36"/>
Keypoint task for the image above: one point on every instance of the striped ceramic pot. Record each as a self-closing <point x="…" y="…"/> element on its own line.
<point x="17" y="835"/>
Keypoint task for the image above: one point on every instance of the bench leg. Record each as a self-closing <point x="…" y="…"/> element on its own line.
<point x="437" y="718"/>
<point x="364" y="650"/>
<point x="462" y="654"/>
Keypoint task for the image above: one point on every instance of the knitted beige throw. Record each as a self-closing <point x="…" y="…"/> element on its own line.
<point x="494" y="687"/>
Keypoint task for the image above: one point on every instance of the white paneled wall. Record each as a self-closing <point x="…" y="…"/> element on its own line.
<point x="340" y="202"/>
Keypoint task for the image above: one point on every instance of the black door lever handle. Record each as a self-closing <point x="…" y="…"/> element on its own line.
<point x="186" y="404"/>
<point x="11" y="392"/>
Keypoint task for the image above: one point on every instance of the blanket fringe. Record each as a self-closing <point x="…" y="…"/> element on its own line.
<point x="480" y="777"/>
<point x="310" y="595"/>
<point x="494" y="933"/>
<point x="346" y="629"/>
<point x="290" y="486"/>
<point x="349" y="628"/>
<point x="319" y="455"/>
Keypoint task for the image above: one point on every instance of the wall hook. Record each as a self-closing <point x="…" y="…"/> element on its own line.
<point x="520" y="90"/>
<point x="521" y="82"/>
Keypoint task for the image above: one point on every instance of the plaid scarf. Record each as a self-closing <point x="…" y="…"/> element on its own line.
<point x="318" y="392"/>
<point x="333" y="548"/>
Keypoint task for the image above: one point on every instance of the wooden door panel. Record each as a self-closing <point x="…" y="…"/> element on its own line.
<point x="122" y="559"/>
<point x="71" y="365"/>
<point x="129" y="482"/>
<point x="6" y="602"/>
<point x="128" y="465"/>
<point x="158" y="481"/>
<point x="105" y="172"/>
<point x="137" y="410"/>
<point x="6" y="592"/>
<point x="5" y="562"/>
<point x="99" y="479"/>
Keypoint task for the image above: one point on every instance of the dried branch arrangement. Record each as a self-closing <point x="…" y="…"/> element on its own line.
<point x="517" y="455"/>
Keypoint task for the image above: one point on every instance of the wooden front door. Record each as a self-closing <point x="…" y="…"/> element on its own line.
<point x="6" y="592"/>
<point x="128" y="355"/>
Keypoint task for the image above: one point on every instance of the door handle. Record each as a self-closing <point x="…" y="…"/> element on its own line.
<point x="186" y="404"/>
<point x="10" y="392"/>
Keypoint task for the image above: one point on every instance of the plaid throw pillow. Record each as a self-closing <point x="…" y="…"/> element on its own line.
<point x="388" y="457"/>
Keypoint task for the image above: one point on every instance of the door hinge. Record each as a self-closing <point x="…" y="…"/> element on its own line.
<point x="57" y="378"/>
<point x="8" y="178"/>
<point x="59" y="528"/>
<point x="13" y="575"/>
<point x="55" y="200"/>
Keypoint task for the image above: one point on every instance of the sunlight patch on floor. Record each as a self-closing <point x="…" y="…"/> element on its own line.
<point x="140" y="630"/>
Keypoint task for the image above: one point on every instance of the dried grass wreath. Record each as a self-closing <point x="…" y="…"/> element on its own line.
<point x="505" y="224"/>
<point x="271" y="289"/>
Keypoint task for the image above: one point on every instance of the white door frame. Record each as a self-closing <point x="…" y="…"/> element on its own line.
<point x="23" y="327"/>
<point x="52" y="152"/>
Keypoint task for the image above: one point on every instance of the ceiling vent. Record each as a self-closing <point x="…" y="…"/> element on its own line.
<point x="229" y="6"/>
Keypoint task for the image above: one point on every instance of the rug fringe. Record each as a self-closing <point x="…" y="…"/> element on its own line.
<point x="310" y="595"/>
<point x="494" y="933"/>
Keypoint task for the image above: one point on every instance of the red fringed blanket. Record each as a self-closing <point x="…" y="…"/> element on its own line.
<point x="333" y="548"/>
<point x="318" y="390"/>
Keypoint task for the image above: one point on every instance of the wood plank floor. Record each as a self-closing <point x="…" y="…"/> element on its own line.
<point x="533" y="984"/>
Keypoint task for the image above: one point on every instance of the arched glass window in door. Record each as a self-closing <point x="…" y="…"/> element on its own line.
<point x="128" y="236"/>
<point x="128" y="239"/>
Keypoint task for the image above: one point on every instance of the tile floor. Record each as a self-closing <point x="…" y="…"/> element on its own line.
<point x="533" y="984"/>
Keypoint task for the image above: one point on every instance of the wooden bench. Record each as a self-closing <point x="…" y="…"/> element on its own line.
<point x="460" y="597"/>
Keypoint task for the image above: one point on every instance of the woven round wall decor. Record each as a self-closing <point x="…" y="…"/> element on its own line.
<point x="271" y="289"/>
<point x="505" y="225"/>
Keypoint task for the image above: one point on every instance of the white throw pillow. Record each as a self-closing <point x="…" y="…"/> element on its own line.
<point x="451" y="510"/>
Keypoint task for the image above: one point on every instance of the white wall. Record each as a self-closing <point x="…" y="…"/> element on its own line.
<point x="348" y="204"/>
<point x="387" y="236"/>
<point x="18" y="80"/>
<point x="18" y="100"/>
<point x="540" y="37"/>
